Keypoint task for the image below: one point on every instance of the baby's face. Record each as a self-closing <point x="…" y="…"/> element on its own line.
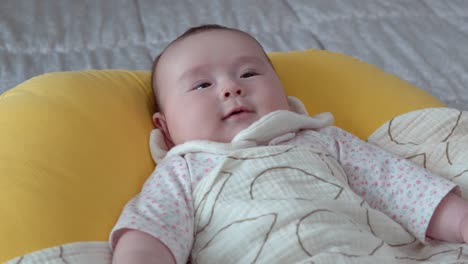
<point x="213" y="84"/>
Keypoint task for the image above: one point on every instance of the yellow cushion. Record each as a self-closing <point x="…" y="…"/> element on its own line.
<point x="360" y="96"/>
<point x="74" y="145"/>
<point x="74" y="148"/>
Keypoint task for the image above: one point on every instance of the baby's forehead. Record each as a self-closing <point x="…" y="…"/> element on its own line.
<point x="204" y="41"/>
<point x="190" y="46"/>
<point x="210" y="36"/>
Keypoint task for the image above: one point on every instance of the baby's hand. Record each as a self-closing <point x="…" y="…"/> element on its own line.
<point x="450" y="220"/>
<point x="464" y="229"/>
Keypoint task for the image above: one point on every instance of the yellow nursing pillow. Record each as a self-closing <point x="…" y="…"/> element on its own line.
<point x="360" y="96"/>
<point x="74" y="145"/>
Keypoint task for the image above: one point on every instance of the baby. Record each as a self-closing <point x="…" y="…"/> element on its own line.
<point x="245" y="175"/>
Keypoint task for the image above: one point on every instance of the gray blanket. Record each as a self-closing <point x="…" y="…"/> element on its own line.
<point x="424" y="42"/>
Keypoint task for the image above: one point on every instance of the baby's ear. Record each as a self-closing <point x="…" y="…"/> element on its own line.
<point x="159" y="121"/>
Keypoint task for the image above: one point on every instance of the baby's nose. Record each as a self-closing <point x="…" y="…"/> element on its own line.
<point x="236" y="91"/>
<point x="231" y="88"/>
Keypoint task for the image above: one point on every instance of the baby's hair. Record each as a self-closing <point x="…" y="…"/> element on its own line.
<point x="189" y="32"/>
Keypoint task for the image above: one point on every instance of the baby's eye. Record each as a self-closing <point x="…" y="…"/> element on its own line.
<point x="202" y="86"/>
<point x="249" y="74"/>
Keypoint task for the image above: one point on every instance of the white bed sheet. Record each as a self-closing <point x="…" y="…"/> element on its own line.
<point x="422" y="41"/>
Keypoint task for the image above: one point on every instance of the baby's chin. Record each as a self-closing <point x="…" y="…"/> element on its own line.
<point x="215" y="138"/>
<point x="226" y="137"/>
<point x="221" y="136"/>
<point x="246" y="125"/>
<point x="233" y="134"/>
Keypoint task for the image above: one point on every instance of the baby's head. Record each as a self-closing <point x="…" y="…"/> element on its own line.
<point x="212" y="82"/>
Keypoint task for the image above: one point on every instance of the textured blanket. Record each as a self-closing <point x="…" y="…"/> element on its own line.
<point x="435" y="138"/>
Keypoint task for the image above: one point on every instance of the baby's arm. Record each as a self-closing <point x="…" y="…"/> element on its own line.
<point x="138" y="247"/>
<point x="404" y="191"/>
<point x="450" y="220"/>
<point x="163" y="215"/>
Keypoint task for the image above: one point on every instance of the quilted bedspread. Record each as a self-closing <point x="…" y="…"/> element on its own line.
<point x="436" y="138"/>
<point x="422" y="41"/>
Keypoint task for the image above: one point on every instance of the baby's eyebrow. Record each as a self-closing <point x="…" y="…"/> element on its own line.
<point x="248" y="59"/>
<point x="193" y="71"/>
<point x="199" y="69"/>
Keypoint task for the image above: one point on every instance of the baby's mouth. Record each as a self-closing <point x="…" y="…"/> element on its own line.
<point x="236" y="111"/>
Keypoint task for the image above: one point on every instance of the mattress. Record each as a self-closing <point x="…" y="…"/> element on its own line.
<point x="424" y="42"/>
